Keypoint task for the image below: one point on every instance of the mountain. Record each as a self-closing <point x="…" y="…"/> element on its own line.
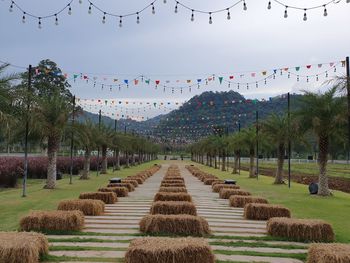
<point x="204" y="114"/>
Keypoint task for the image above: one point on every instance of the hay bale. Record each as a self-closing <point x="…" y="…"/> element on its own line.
<point x="172" y="197"/>
<point x="53" y="220"/>
<point x="169" y="250"/>
<point x="25" y="247"/>
<point x="172" y="184"/>
<point x="218" y="181"/>
<point x="139" y="180"/>
<point x="209" y="181"/>
<point x="218" y="187"/>
<point x="242" y="200"/>
<point x="173" y="208"/>
<point x="129" y="186"/>
<point x="225" y="193"/>
<point x="329" y="253"/>
<point x="89" y="207"/>
<point x="129" y="181"/>
<point x="119" y="191"/>
<point x="300" y="229"/>
<point x="174" y="225"/>
<point x="106" y="197"/>
<point x="264" y="211"/>
<point x="173" y="189"/>
<point x="173" y="181"/>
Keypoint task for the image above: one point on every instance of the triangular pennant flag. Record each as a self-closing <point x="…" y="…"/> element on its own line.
<point x="115" y="80"/>
<point x="297" y="68"/>
<point x="189" y="81"/>
<point x="147" y="81"/>
<point x="221" y="79"/>
<point x="136" y="82"/>
<point x="264" y="73"/>
<point x="343" y="63"/>
<point x="157" y="82"/>
<point x="320" y="65"/>
<point x="232" y="77"/>
<point x="308" y="66"/>
<point x="126" y="81"/>
<point x="253" y="75"/>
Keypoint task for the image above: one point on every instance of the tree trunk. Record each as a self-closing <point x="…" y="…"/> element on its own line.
<point x="52" y="148"/>
<point x="280" y="162"/>
<point x="127" y="164"/>
<point x="235" y="165"/>
<point x="215" y="162"/>
<point x="117" y="157"/>
<point x="323" y="159"/>
<point x="251" y="163"/>
<point x="86" y="170"/>
<point x="104" y="160"/>
<point x="223" y="166"/>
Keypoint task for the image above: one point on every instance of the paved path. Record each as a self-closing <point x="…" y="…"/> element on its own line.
<point x="119" y="225"/>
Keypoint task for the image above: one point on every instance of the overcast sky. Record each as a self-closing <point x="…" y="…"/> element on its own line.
<point x="168" y="46"/>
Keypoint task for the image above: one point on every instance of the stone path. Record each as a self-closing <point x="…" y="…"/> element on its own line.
<point x="111" y="233"/>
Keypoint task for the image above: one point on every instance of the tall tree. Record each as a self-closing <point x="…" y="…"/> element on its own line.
<point x="323" y="114"/>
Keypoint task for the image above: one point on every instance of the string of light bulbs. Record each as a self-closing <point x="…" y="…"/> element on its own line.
<point x="178" y="4"/>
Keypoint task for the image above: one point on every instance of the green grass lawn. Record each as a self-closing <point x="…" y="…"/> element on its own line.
<point x="333" y="169"/>
<point x="13" y="206"/>
<point x="335" y="209"/>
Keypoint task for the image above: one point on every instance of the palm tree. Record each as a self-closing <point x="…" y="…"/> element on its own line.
<point x="5" y="91"/>
<point x="51" y="115"/>
<point x="276" y="129"/>
<point x="323" y="114"/>
<point x="86" y="138"/>
<point x="235" y="143"/>
<point x="105" y="139"/>
<point x="249" y="139"/>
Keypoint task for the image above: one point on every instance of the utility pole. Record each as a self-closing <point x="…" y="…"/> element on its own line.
<point x="98" y="148"/>
<point x="72" y="143"/>
<point x="25" y="175"/>
<point x="115" y="150"/>
<point x="257" y="145"/>
<point x="348" y="98"/>
<point x="239" y="159"/>
<point x="289" y="142"/>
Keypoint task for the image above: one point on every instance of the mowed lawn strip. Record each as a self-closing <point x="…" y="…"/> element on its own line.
<point x="334" y="209"/>
<point x="13" y="206"/>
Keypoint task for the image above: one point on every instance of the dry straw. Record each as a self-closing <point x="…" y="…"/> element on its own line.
<point x="173" y="184"/>
<point x="173" y="189"/>
<point x="210" y="181"/>
<point x="173" y="181"/>
<point x="169" y="250"/>
<point x="53" y="220"/>
<point x="173" y="208"/>
<point x="119" y="191"/>
<point x="106" y="197"/>
<point x="300" y="229"/>
<point x="139" y="179"/>
<point x="129" y="181"/>
<point x="264" y="211"/>
<point x="329" y="253"/>
<point x="17" y="247"/>
<point x="130" y="187"/>
<point x="174" y="225"/>
<point x="225" y="193"/>
<point x="241" y="200"/>
<point x="172" y="197"/>
<point x="89" y="207"/>
<point x="218" y="187"/>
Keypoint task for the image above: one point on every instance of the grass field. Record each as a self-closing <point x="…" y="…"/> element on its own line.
<point x="335" y="170"/>
<point x="335" y="209"/>
<point x="13" y="206"/>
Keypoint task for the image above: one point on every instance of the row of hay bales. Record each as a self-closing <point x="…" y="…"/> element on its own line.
<point x="280" y="223"/>
<point x="172" y="213"/>
<point x="29" y="246"/>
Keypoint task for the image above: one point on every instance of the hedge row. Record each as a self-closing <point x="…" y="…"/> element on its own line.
<point x="11" y="168"/>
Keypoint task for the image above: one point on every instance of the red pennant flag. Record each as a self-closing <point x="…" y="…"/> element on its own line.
<point x="308" y="66"/>
<point x="136" y="81"/>
<point x="286" y="69"/>
<point x="157" y="82"/>
<point x="232" y="77"/>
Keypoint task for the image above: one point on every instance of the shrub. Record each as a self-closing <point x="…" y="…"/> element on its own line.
<point x="87" y="206"/>
<point x="264" y="211"/>
<point x="106" y="197"/>
<point x="119" y="191"/>
<point x="241" y="200"/>
<point x="173" y="208"/>
<point x="22" y="247"/>
<point x="225" y="193"/>
<point x="300" y="229"/>
<point x="53" y="220"/>
<point x="160" y="196"/>
<point x="329" y="253"/>
<point x="174" y="225"/>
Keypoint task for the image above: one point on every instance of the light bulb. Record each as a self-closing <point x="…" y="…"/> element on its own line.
<point x="39" y="23"/>
<point x="347" y="1"/>
<point x="245" y="6"/>
<point x="121" y="22"/>
<point x="104" y="19"/>
<point x="286" y="12"/>
<point x="24" y="18"/>
<point x="164" y="1"/>
<point x="153" y="9"/>
<point x="305" y="16"/>
<point x="11" y="7"/>
<point x="90" y="9"/>
<point x="269" y="5"/>
<point x="138" y="18"/>
<point x="56" y="20"/>
<point x="80" y="1"/>
<point x="228" y="14"/>
<point x="176" y="7"/>
<point x="192" y="16"/>
<point x="210" y="19"/>
<point x="69" y="10"/>
<point x="325" y="13"/>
